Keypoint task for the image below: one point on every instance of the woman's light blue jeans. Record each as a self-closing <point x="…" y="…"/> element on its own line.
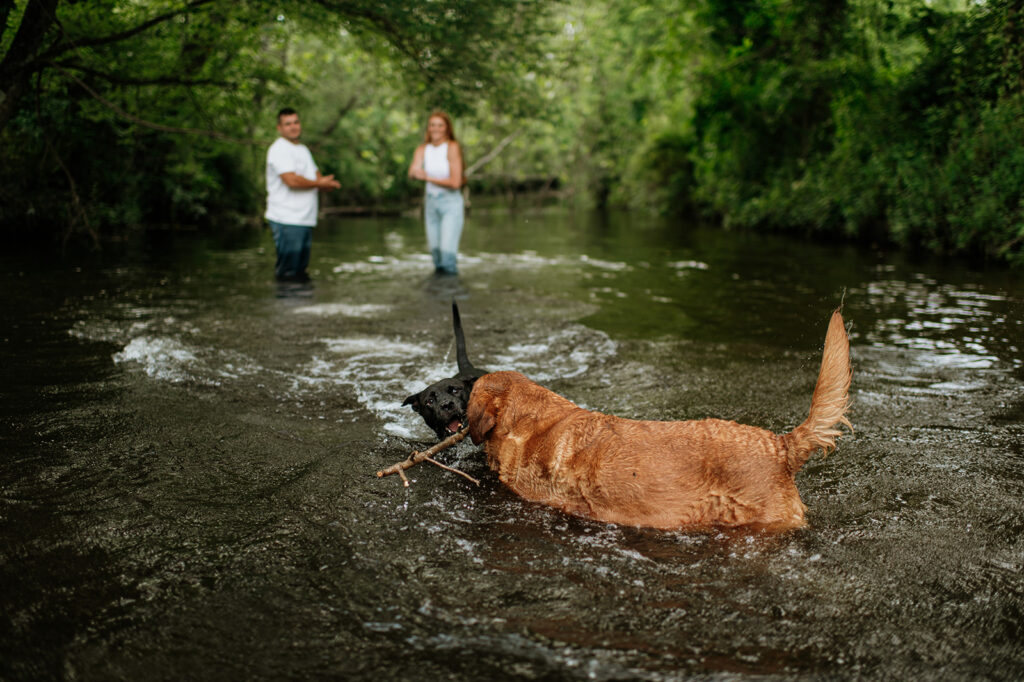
<point x="444" y="214"/>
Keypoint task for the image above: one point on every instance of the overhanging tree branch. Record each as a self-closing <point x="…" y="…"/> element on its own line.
<point x="150" y="124"/>
<point x="490" y="156"/>
<point x="23" y="58"/>
<point x="121" y="80"/>
<point x="372" y="17"/>
<point x="67" y="43"/>
<point x="347" y="107"/>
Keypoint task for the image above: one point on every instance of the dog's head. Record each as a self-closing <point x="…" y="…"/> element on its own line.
<point x="486" y="402"/>
<point x="443" y="404"/>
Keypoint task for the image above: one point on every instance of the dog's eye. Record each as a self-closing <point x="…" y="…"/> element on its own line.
<point x="429" y="402"/>
<point x="454" y="390"/>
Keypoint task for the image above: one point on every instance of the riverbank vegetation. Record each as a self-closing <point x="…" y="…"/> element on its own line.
<point x="890" y="121"/>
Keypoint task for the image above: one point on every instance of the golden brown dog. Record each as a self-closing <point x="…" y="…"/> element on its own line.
<point x="708" y="472"/>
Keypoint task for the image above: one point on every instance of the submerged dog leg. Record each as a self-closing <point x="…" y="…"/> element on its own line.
<point x="417" y="457"/>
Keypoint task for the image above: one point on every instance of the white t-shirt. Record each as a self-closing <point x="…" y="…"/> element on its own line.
<point x="284" y="204"/>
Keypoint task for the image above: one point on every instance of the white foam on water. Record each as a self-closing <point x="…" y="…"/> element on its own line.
<point x="372" y="347"/>
<point x="123" y="331"/>
<point x="161" y="357"/>
<point x="100" y="330"/>
<point x="380" y="372"/>
<point x="604" y="264"/>
<point x="565" y="354"/>
<point x="957" y="386"/>
<point x="689" y="265"/>
<point x="344" y="309"/>
<point x="379" y="264"/>
<point x="237" y="370"/>
<point x="168" y="359"/>
<point x="532" y="260"/>
<point x="374" y="370"/>
<point x="523" y="260"/>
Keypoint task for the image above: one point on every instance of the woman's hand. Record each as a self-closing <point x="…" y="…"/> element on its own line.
<point x="416" y="171"/>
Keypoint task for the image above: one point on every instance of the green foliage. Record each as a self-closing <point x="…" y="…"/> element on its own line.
<point x="881" y="120"/>
<point x="122" y="112"/>
<point x="878" y="120"/>
<point x="960" y="178"/>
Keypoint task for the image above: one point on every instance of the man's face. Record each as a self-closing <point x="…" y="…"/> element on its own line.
<point x="289" y="127"/>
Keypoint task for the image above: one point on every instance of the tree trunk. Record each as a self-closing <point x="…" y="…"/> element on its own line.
<point x="20" y="63"/>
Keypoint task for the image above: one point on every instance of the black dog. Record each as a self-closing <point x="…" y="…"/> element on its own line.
<point x="443" y="404"/>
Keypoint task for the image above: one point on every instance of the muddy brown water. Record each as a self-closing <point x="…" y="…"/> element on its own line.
<point x="187" y="486"/>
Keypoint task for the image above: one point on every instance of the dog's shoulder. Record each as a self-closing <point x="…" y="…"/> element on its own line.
<point x="470" y="375"/>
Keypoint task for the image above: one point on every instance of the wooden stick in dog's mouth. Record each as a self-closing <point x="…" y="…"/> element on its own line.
<point x="417" y="457"/>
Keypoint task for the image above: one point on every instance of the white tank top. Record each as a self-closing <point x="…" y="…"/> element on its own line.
<point x="435" y="163"/>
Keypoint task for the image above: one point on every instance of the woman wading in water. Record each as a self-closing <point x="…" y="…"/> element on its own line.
<point x="438" y="162"/>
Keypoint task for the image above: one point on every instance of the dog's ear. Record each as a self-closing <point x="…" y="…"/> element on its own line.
<point x="481" y="415"/>
<point x="413" y="400"/>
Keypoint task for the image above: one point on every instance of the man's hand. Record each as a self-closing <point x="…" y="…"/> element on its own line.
<point x="327" y="182"/>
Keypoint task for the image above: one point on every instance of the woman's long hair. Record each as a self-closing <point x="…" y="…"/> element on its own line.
<point x="447" y="121"/>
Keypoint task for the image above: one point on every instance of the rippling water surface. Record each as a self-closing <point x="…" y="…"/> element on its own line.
<point x="188" y="491"/>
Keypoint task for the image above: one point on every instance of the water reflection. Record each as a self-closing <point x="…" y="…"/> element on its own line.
<point x="295" y="290"/>
<point x="953" y="326"/>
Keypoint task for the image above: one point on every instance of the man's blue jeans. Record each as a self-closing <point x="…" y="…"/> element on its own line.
<point x="444" y="214"/>
<point x="293" y="244"/>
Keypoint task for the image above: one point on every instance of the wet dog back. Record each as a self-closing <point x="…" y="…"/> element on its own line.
<point x="659" y="474"/>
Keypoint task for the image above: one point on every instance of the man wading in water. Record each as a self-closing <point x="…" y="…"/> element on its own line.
<point x="292" y="202"/>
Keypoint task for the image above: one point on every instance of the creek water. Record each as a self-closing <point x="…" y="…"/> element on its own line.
<point x="188" y="492"/>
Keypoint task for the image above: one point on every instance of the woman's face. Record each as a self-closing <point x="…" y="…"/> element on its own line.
<point x="437" y="129"/>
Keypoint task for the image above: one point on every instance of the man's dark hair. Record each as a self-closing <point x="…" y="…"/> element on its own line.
<point x="287" y="111"/>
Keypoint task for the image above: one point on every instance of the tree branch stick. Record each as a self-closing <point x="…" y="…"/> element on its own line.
<point x="417" y="457"/>
<point x="490" y="156"/>
<point x="454" y="471"/>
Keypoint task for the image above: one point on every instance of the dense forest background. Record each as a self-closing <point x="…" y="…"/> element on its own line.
<point x="896" y="121"/>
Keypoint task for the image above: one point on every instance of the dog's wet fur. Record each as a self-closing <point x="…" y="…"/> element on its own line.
<point x="708" y="472"/>
<point x="443" y="404"/>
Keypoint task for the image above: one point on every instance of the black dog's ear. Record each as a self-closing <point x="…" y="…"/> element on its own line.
<point x="413" y="400"/>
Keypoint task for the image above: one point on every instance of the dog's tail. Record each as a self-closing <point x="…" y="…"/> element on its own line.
<point x="460" y="341"/>
<point x="830" y="401"/>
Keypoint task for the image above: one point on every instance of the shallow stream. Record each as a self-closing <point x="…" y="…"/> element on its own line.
<point x="187" y="487"/>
